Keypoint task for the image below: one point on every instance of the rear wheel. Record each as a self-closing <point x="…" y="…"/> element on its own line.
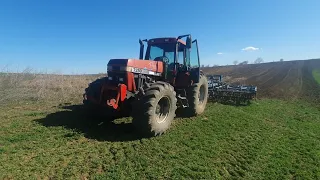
<point x="154" y="112"/>
<point x="197" y="96"/>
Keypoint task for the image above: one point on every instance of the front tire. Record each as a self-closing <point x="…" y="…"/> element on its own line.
<point x="97" y="112"/>
<point x="154" y="112"/>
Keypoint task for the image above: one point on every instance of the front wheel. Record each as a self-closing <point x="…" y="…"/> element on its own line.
<point x="97" y="112"/>
<point x="154" y="112"/>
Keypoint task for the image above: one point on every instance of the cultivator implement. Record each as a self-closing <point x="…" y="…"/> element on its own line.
<point x="225" y="93"/>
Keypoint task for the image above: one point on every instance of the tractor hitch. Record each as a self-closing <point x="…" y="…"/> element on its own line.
<point x="121" y="95"/>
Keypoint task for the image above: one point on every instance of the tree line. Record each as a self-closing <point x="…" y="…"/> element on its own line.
<point x="259" y="60"/>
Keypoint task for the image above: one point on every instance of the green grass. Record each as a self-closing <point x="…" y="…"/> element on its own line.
<point x="270" y="139"/>
<point x="316" y="75"/>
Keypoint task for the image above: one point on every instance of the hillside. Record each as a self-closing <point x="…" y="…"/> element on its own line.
<point x="286" y="80"/>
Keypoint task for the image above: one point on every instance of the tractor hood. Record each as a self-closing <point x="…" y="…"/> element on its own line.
<point x="135" y="65"/>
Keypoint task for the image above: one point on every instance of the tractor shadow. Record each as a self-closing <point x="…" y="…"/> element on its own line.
<point x="231" y="103"/>
<point x="73" y="117"/>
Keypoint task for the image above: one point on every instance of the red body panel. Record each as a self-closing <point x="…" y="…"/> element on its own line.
<point x="156" y="66"/>
<point x="122" y="89"/>
<point x="131" y="85"/>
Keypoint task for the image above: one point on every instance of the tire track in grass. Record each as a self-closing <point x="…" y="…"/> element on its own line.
<point x="272" y="79"/>
<point x="248" y="73"/>
<point x="276" y="78"/>
<point x="258" y="76"/>
<point x="282" y="78"/>
<point x="238" y="70"/>
<point x="269" y="74"/>
<point x="310" y="89"/>
<point x="289" y="86"/>
<point x="300" y="81"/>
<point x="316" y="75"/>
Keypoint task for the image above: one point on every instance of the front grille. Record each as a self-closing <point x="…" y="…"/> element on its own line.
<point x="115" y="68"/>
<point x="115" y="78"/>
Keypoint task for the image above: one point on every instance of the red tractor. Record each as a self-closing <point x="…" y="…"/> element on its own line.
<point x="154" y="86"/>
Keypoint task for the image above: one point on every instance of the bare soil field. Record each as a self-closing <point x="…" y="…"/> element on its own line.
<point x="285" y="80"/>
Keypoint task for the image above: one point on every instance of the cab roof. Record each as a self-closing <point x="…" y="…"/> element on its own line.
<point x="165" y="40"/>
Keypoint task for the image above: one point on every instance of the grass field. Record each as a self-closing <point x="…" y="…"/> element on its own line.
<point x="44" y="134"/>
<point x="271" y="139"/>
<point x="316" y="75"/>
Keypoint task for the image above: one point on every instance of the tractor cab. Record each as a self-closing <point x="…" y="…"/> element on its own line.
<point x="180" y="58"/>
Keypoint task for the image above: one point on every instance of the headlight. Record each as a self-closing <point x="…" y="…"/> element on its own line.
<point x="121" y="79"/>
<point x="110" y="78"/>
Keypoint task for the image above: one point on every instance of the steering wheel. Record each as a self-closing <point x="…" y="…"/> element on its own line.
<point x="162" y="58"/>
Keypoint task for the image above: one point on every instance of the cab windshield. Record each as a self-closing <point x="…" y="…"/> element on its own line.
<point x="161" y="50"/>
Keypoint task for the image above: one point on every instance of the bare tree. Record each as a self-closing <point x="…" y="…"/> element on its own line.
<point x="235" y="62"/>
<point x="281" y="60"/>
<point x="244" y="62"/>
<point x="258" y="60"/>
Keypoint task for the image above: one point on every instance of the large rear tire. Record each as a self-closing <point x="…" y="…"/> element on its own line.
<point x="154" y="112"/>
<point x="197" y="96"/>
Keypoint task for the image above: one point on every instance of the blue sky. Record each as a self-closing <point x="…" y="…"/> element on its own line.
<point x="69" y="36"/>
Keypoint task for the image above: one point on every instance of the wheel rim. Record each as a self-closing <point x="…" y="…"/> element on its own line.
<point x="201" y="94"/>
<point x="162" y="109"/>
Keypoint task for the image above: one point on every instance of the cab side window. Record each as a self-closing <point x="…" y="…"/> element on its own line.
<point x="180" y="57"/>
<point x="194" y="57"/>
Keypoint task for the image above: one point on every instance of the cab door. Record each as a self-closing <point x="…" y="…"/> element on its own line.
<point x="194" y="62"/>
